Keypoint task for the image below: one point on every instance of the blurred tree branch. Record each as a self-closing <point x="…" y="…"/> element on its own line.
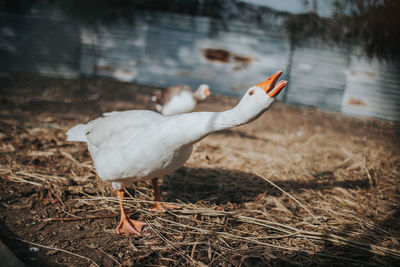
<point x="370" y="24"/>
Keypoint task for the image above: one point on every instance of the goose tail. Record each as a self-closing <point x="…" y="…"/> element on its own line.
<point x="77" y="133"/>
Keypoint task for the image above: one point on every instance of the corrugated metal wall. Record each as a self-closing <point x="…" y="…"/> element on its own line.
<point x="165" y="49"/>
<point x="168" y="49"/>
<point x="372" y="89"/>
<point x="113" y="50"/>
<point x="318" y="75"/>
<point x="47" y="43"/>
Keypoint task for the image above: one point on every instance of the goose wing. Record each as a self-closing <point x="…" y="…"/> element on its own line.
<point x="120" y="128"/>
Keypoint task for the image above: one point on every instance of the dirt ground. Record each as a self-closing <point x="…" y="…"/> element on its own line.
<point x="298" y="186"/>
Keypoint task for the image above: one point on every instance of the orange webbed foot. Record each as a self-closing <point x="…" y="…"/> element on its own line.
<point x="162" y="207"/>
<point x="130" y="227"/>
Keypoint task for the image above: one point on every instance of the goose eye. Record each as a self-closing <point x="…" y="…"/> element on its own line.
<point x="251" y="92"/>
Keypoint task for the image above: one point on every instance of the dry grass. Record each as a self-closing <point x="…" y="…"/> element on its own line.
<point x="310" y="189"/>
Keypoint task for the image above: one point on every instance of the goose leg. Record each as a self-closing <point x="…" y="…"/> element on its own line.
<point x="158" y="205"/>
<point x="127" y="226"/>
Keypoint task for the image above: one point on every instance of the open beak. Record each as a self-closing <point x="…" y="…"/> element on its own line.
<point x="269" y="85"/>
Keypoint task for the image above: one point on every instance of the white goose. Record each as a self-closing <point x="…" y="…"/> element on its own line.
<point x="137" y="145"/>
<point x="180" y="99"/>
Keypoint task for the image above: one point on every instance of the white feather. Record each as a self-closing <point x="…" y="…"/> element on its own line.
<point x="77" y="133"/>
<point x="178" y="104"/>
<point x="139" y="144"/>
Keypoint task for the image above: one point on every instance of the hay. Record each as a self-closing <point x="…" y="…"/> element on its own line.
<point x="328" y="194"/>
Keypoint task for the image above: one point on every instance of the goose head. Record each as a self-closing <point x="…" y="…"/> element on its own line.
<point x="259" y="98"/>
<point x="202" y="92"/>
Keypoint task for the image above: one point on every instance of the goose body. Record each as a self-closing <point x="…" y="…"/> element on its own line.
<point x="180" y="99"/>
<point x="137" y="145"/>
<point x="126" y="148"/>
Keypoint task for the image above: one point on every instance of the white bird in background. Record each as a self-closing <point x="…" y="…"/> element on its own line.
<point x="138" y="145"/>
<point x="180" y="99"/>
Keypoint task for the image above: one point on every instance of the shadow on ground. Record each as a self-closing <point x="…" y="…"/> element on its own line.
<point x="371" y="236"/>
<point x="220" y="186"/>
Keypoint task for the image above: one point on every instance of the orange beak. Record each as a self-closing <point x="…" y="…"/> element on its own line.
<point x="207" y="92"/>
<point x="269" y="85"/>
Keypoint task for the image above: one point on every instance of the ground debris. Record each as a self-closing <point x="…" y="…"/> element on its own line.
<point x="329" y="195"/>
